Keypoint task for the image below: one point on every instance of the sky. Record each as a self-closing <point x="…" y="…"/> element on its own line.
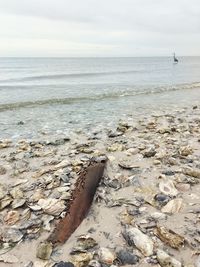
<point x="73" y="28"/>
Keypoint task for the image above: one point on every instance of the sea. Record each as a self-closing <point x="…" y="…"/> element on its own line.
<point x="59" y="95"/>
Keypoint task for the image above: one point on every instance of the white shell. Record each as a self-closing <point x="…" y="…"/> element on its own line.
<point x="165" y="260"/>
<point x="52" y="206"/>
<point x="141" y="241"/>
<point x="173" y="206"/>
<point x="167" y="187"/>
<point x="106" y="256"/>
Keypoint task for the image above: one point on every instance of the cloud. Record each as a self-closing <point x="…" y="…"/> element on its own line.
<point x="110" y="27"/>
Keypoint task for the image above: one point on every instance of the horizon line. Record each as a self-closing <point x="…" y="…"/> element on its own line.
<point x="96" y="56"/>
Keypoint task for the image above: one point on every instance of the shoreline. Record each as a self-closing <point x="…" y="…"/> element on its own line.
<point x="147" y="168"/>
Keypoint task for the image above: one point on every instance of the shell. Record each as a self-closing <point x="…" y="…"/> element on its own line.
<point x="185" y="151"/>
<point x="167" y="187"/>
<point x="52" y="206"/>
<point x="140" y="240"/>
<point x="44" y="251"/>
<point x="106" y="256"/>
<point x="12" y="217"/>
<point x="169" y="237"/>
<point x="167" y="261"/>
<point x="173" y="206"/>
<point x="5" y="202"/>
<point x="81" y="259"/>
<point x="12" y="235"/>
<point x="17" y="203"/>
<point x="84" y="243"/>
<point x="16" y="193"/>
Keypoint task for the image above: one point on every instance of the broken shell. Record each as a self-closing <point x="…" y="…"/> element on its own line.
<point x="25" y="215"/>
<point x="81" y="259"/>
<point x="44" y="251"/>
<point x="158" y="216"/>
<point x="106" y="256"/>
<point x="85" y="243"/>
<point x="169" y="237"/>
<point x="52" y="206"/>
<point x="167" y="261"/>
<point x="135" y="237"/>
<point x="17" y="203"/>
<point x="185" y="151"/>
<point x="173" y="206"/>
<point x="167" y="187"/>
<point x="5" y="202"/>
<point x="115" y="147"/>
<point x="12" y="217"/>
<point x="192" y="172"/>
<point x="16" y="193"/>
<point x="35" y="207"/>
<point x="46" y="221"/>
<point x="12" y="235"/>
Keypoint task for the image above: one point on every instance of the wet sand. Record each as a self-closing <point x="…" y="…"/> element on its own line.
<point x="151" y="182"/>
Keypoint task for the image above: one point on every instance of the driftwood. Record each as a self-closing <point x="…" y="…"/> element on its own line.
<point x="82" y="197"/>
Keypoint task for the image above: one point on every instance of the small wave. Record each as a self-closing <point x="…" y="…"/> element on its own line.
<point x="67" y="75"/>
<point x="112" y="95"/>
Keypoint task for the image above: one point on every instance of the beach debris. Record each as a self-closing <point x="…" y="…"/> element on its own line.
<point x="194" y="172"/>
<point x="81" y="259"/>
<point x="5" y="143"/>
<point x="51" y="206"/>
<point x="183" y="187"/>
<point x="94" y="263"/>
<point x="116" y="147"/>
<point x="84" y="242"/>
<point x="11" y="217"/>
<point x="167" y="187"/>
<point x="12" y="235"/>
<point x="166" y="260"/>
<point x="106" y="256"/>
<point x="185" y="151"/>
<point x="44" y="250"/>
<point x="63" y="264"/>
<point x="143" y="242"/>
<point x="126" y="257"/>
<point x="169" y="237"/>
<point x="82" y="197"/>
<point x="126" y="218"/>
<point x="128" y="166"/>
<point x="162" y="198"/>
<point x="17" y="203"/>
<point x="124" y="201"/>
<point x="150" y="152"/>
<point x="4" y="202"/>
<point x="173" y="206"/>
<point x="158" y="216"/>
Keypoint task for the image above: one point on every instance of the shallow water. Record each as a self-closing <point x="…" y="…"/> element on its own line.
<point x="59" y="94"/>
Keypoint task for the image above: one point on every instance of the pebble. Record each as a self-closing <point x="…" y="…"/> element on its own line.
<point x="126" y="257"/>
<point x="44" y="251"/>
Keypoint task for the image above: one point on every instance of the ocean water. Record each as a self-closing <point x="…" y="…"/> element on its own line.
<point x="61" y="94"/>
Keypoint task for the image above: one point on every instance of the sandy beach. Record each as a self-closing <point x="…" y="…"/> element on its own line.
<point x="146" y="208"/>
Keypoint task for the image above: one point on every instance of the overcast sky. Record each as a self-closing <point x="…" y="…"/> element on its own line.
<point x="99" y="27"/>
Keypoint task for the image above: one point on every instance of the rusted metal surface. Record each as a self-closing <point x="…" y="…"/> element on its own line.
<point x="79" y="205"/>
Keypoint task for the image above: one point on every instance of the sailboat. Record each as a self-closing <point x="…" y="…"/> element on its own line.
<point x="175" y="59"/>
